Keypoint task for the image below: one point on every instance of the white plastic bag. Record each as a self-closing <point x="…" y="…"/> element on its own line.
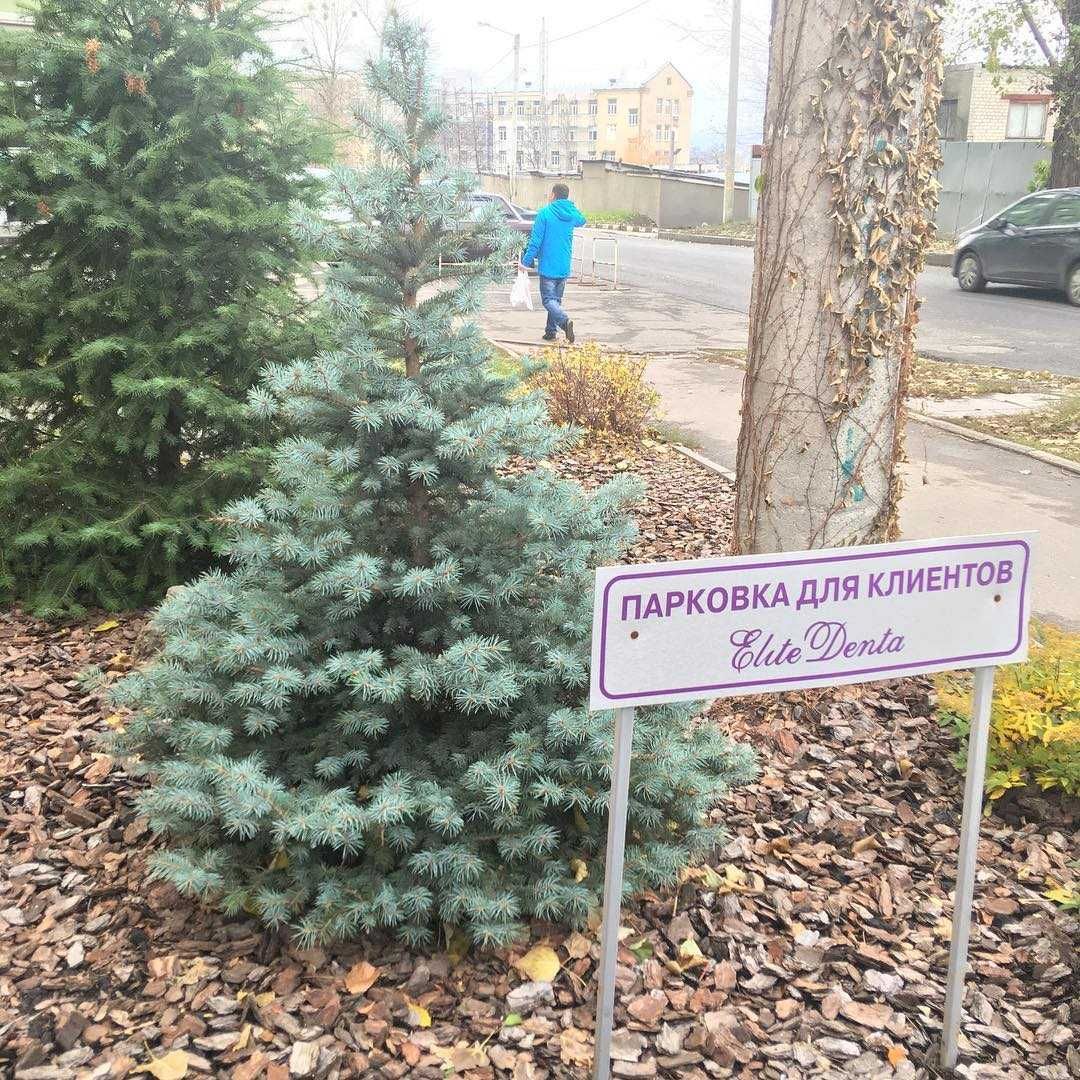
<point x="520" y="294"/>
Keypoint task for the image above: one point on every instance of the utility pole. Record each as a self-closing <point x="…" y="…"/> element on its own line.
<point x="543" y="95"/>
<point x="512" y="171"/>
<point x="732" y="113"/>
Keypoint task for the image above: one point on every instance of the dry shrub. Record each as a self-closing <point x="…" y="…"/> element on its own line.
<point x="598" y="390"/>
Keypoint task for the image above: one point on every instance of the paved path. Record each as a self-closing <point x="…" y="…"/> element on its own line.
<point x="1025" y="329"/>
<point x="953" y="486"/>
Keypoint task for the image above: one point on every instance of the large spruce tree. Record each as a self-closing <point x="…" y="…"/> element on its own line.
<point x="377" y="718"/>
<point x="151" y="150"/>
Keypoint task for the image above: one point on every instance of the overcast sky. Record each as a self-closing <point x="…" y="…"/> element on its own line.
<point x="635" y="37"/>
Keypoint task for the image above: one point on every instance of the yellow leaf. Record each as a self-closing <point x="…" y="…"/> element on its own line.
<point x="581" y="871"/>
<point x="172" y="1066"/>
<point x="279" y="861"/>
<point x="262" y="1000"/>
<point x="418" y="1015"/>
<point x="690" y="956"/>
<point x="112" y="624"/>
<point x="115" y="721"/>
<point x="361" y="977"/>
<point x="896" y="1055"/>
<point x="243" y="1038"/>
<point x="540" y="963"/>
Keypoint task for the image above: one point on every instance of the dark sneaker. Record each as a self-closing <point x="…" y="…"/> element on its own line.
<point x="568" y="330"/>
<point x="549" y="337"/>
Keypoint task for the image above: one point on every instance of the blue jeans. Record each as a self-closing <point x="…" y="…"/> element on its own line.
<point x="551" y="294"/>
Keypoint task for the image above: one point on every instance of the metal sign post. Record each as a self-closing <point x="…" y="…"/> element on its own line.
<point x="613" y="883"/>
<point x="764" y="623"/>
<point x="978" y="738"/>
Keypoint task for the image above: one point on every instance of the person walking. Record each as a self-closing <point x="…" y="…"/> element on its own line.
<point x="552" y="243"/>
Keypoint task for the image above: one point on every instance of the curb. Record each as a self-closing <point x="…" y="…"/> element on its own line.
<point x="992" y="440"/>
<point x="932" y="258"/>
<point x="705" y="462"/>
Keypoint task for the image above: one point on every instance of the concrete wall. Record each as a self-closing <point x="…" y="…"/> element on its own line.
<point x="979" y="178"/>
<point x="672" y="202"/>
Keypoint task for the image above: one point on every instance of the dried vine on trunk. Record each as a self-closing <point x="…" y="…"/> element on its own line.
<point x="846" y="212"/>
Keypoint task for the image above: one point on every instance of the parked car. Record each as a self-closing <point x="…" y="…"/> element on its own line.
<point x="481" y="202"/>
<point x="1035" y="241"/>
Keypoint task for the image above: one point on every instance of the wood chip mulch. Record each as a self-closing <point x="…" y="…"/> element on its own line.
<point x="814" y="945"/>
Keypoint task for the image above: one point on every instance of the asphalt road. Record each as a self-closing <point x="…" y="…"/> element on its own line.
<point x="1023" y="329"/>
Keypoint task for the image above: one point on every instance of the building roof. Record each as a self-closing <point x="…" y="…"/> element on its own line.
<point x="647" y="79"/>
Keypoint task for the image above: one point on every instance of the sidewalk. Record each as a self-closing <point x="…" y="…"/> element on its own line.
<point x="953" y="486"/>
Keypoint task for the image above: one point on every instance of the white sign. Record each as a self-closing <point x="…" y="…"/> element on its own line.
<point x="751" y="624"/>
<point x="715" y="627"/>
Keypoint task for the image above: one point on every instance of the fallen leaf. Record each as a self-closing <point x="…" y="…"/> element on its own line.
<point x="896" y="1055"/>
<point x="575" y="1048"/>
<point x="512" y="1020"/>
<point x="643" y="949"/>
<point x="540" y="963"/>
<point x="418" y="1015"/>
<point x="872" y="1016"/>
<point x="690" y="956"/>
<point x="461" y="1058"/>
<point x="173" y="1066"/>
<point x="581" y="871"/>
<point x="361" y="977"/>
<point x="112" y="624"/>
<point x="457" y="944"/>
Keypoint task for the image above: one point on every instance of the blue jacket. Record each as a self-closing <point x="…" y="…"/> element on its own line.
<point x="552" y="238"/>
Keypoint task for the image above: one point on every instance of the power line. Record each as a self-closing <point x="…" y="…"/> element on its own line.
<point x="593" y="26"/>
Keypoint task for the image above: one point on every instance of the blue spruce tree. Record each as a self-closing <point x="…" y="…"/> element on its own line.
<point x="376" y="718"/>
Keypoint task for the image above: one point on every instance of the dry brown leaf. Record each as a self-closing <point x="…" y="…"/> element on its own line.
<point x="874" y="1016"/>
<point x="575" y="1048"/>
<point x="896" y="1055"/>
<point x="461" y="1058"/>
<point x="361" y="977"/>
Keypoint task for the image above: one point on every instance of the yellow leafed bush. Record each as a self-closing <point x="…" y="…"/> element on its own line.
<point x="1035" y="717"/>
<point x="597" y="390"/>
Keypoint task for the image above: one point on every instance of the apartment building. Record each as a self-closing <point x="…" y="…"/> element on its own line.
<point x="983" y="105"/>
<point x="643" y="124"/>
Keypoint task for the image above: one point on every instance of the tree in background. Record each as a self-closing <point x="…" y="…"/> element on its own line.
<point x="153" y="151"/>
<point x="377" y="718"/>
<point x="846" y="210"/>
<point x="1040" y="33"/>
<point x="332" y="43"/>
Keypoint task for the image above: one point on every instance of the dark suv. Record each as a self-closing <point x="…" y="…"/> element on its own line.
<point x="1036" y="241"/>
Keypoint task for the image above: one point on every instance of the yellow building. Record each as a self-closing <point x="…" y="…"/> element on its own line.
<point x="648" y="124"/>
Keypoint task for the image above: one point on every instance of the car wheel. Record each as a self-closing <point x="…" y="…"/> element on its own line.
<point x="1072" y="285"/>
<point x="969" y="273"/>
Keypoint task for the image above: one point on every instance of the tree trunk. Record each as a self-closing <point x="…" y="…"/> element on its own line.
<point x="1065" y="156"/>
<point x="845" y="214"/>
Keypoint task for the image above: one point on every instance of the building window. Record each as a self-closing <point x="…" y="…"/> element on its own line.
<point x="555" y="159"/>
<point x="521" y="108"/>
<point x="675" y="106"/>
<point x="659" y="133"/>
<point x="1027" y="119"/>
<point x="573" y="107"/>
<point x="667" y="106"/>
<point x="948" y="120"/>
<point x="502" y="107"/>
<point x="502" y="134"/>
<point x="611" y="131"/>
<point x="612" y="106"/>
<point x="592" y="134"/>
<point x="502" y="157"/>
<point x="571" y="159"/>
<point x="632" y="117"/>
<point x="592" y="108"/>
<point x="521" y="159"/>
<point x="536" y="107"/>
